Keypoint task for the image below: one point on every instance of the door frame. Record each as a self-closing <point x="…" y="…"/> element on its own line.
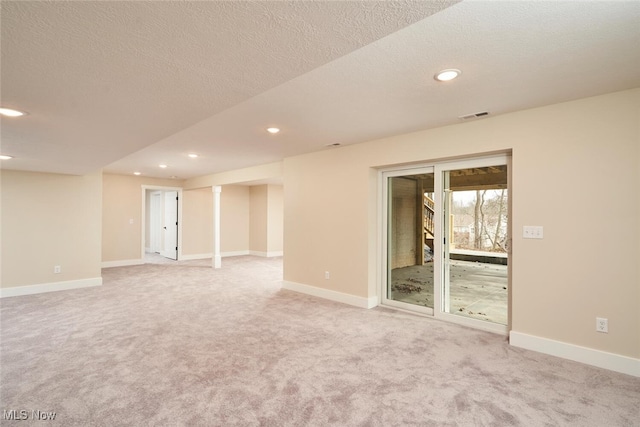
<point x="437" y="167"/>
<point x="143" y="222"/>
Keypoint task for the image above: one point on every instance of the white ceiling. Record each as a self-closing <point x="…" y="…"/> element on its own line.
<point x="125" y="86"/>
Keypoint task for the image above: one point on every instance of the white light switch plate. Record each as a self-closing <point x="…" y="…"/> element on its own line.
<point x="532" y="232"/>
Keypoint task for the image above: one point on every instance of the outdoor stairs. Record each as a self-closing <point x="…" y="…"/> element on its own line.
<point x="429" y="213"/>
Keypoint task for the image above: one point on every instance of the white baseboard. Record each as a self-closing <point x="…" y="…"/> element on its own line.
<point x="183" y="257"/>
<point x="266" y="254"/>
<point x="16" y="291"/>
<point x="589" y="356"/>
<point x="361" y="302"/>
<point x="122" y="263"/>
<point x="234" y="253"/>
<point x="230" y="254"/>
<point x="190" y="257"/>
<point x="210" y="255"/>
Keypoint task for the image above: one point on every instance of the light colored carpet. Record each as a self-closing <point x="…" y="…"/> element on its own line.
<point x="182" y="344"/>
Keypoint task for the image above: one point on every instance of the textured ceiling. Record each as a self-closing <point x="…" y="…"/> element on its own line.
<point x="104" y="79"/>
<point x="126" y="86"/>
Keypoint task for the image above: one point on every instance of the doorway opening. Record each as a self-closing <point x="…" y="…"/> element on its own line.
<point x="446" y="241"/>
<point x="161" y="227"/>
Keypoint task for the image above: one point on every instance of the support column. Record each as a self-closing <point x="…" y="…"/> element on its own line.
<point x="217" y="258"/>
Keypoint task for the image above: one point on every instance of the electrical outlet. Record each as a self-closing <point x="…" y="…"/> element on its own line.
<point x="327" y="275"/>
<point x="602" y="325"/>
<point x="57" y="269"/>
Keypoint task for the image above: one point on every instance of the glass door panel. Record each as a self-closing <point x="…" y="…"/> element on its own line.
<point x="410" y="239"/>
<point x="474" y="251"/>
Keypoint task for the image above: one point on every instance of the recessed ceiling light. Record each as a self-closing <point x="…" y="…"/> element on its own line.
<point x="193" y="155"/>
<point x="447" y="75"/>
<point x="273" y="130"/>
<point x="163" y="166"/>
<point x="4" y="157"/>
<point x="137" y="173"/>
<point x="9" y="112"/>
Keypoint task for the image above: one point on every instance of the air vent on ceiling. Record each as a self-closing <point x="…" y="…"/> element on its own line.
<point x="474" y="115"/>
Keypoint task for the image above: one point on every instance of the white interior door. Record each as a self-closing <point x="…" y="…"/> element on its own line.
<point x="170" y="228"/>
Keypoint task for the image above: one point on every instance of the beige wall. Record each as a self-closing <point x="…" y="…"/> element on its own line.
<point x="255" y="173"/>
<point x="234" y="219"/>
<point x="258" y="219"/>
<point x="266" y="225"/>
<point x="121" y="203"/>
<point x="575" y="171"/>
<point x="275" y="218"/>
<point x="49" y="220"/>
<point x="197" y="222"/>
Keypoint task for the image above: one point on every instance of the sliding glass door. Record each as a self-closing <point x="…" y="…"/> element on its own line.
<point x="445" y="241"/>
<point x="410" y="239"/>
<point x="475" y="222"/>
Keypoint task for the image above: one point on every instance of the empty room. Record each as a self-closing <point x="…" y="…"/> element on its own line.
<point x="317" y="213"/>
